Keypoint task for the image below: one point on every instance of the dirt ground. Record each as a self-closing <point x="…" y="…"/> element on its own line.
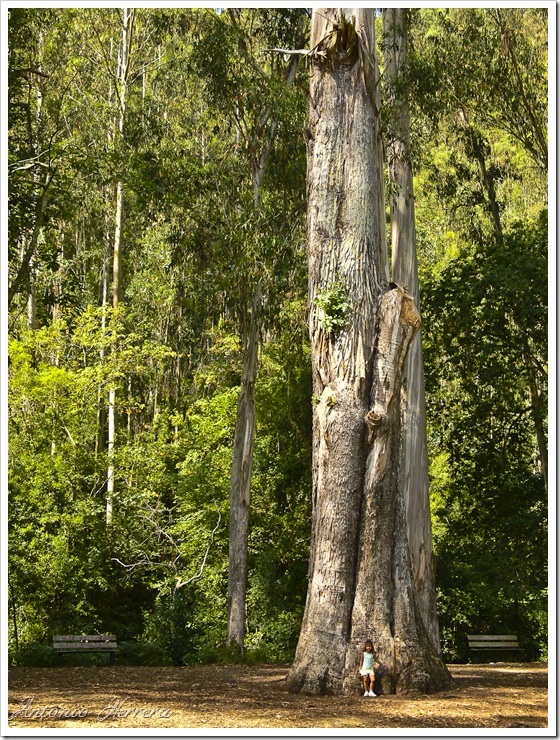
<point x="493" y="696"/>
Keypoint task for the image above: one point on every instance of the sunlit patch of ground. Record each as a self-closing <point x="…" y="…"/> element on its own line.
<point x="501" y="695"/>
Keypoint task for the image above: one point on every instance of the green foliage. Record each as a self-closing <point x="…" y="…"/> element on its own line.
<point x="334" y="308"/>
<point x="204" y="98"/>
<point x="222" y="654"/>
<point x="486" y="323"/>
<point x="34" y="655"/>
<point x="142" y="653"/>
<point x="503" y="84"/>
<point x="480" y="189"/>
<point x="170" y="624"/>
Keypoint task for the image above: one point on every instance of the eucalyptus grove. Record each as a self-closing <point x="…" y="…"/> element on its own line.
<point x="189" y="163"/>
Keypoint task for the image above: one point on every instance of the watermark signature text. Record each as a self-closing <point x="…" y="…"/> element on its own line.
<point x="116" y="709"/>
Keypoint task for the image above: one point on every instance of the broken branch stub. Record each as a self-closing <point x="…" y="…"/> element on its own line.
<point x="399" y="320"/>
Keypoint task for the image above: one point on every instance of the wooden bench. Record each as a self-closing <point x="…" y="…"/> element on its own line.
<point x="491" y="643"/>
<point x="63" y="644"/>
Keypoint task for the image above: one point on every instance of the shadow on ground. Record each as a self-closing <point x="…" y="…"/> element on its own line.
<point x="500" y="695"/>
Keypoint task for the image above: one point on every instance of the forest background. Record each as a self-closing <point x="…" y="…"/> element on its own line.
<point x="124" y="376"/>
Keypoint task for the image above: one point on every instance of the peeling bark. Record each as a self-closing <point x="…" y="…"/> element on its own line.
<point x="387" y="609"/>
<point x="414" y="447"/>
<point x="361" y="584"/>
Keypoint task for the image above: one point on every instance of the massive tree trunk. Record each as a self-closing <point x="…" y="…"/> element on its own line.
<point x="347" y="266"/>
<point x="414" y="451"/>
<point x="387" y="609"/>
<point x="361" y="583"/>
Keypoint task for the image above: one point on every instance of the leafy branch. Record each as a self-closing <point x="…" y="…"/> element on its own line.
<point x="334" y="308"/>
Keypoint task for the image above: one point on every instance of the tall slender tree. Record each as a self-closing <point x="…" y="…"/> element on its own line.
<point x="245" y="427"/>
<point x="122" y="78"/>
<point x="404" y="266"/>
<point x="254" y="112"/>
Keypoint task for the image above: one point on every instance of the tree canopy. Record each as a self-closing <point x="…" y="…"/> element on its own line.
<point x="207" y="97"/>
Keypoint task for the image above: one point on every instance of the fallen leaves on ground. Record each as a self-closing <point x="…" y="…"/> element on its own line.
<point x="215" y="696"/>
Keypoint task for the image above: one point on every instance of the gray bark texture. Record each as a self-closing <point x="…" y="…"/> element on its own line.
<point x="360" y="581"/>
<point x="240" y="480"/>
<point x="245" y="428"/>
<point x="414" y="447"/>
<point x="122" y="80"/>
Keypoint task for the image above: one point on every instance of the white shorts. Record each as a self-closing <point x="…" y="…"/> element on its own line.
<point x="367" y="672"/>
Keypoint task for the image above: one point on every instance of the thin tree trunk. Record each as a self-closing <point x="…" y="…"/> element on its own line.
<point x="24" y="273"/>
<point x="32" y="293"/>
<point x="536" y="410"/>
<point x="361" y="584"/>
<point x="37" y="231"/>
<point x="414" y="451"/>
<point x="538" y="413"/>
<point x="110" y="455"/>
<point x="122" y="79"/>
<point x="240" y="481"/>
<point x="101" y="410"/>
<point x="59" y="278"/>
<point x="245" y="428"/>
<point x="543" y="451"/>
<point x="14" y="616"/>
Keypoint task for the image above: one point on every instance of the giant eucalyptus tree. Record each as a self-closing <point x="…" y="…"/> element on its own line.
<point x="361" y="581"/>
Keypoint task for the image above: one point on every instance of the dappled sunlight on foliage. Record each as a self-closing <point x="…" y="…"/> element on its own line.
<point x="211" y="239"/>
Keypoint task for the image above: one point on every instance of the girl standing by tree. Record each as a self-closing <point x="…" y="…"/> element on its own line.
<point x="367" y="669"/>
